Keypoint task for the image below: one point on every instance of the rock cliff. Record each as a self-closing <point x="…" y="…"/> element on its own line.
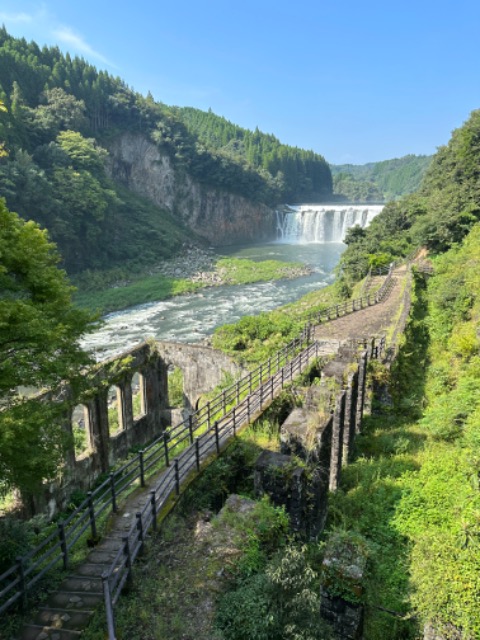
<point x="219" y="217"/>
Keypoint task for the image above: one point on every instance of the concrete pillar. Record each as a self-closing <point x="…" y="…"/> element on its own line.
<point x="98" y="426"/>
<point x="350" y="416"/>
<point x="362" y="379"/>
<point x="337" y="441"/>
<point x="162" y="383"/>
<point x="125" y="408"/>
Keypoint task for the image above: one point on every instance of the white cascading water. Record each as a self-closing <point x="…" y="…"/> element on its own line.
<point x="322" y="223"/>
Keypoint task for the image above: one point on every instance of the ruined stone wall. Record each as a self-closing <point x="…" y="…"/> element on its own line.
<point x="203" y="369"/>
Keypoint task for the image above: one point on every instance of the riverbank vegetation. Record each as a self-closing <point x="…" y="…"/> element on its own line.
<point x="128" y="289"/>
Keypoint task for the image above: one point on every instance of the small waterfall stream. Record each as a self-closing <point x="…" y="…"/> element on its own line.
<point x="322" y="223"/>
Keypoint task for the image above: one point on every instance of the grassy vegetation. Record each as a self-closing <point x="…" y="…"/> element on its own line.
<point x="139" y="291"/>
<point x="244" y="271"/>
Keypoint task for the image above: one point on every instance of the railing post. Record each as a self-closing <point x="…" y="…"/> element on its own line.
<point x="208" y="415"/>
<point x="142" y="468"/>
<point x="153" y="503"/>
<point x="107" y="597"/>
<point x="271" y="388"/>
<point x="249" y="384"/>
<point x="248" y="408"/>
<point x="21" y="579"/>
<point x="177" y="477"/>
<point x="138" y="516"/>
<point x="91" y="513"/>
<point x="114" y="493"/>
<point x="197" y="452"/>
<point x="63" y="543"/>
<point x="224" y="402"/>
<point x="234" y="418"/>
<point x="128" y="561"/>
<point x="165" y="448"/>
<point x="190" y="427"/>
<point x="336" y="311"/>
<point x="217" y="439"/>
<point x="282" y="374"/>
<point x="238" y="392"/>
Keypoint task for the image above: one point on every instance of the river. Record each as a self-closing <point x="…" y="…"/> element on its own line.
<point x="310" y="233"/>
<point x="192" y="317"/>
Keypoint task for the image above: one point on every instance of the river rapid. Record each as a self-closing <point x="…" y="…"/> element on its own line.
<point x="193" y="317"/>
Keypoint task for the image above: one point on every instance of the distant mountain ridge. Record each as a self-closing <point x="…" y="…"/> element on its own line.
<point x="387" y="180"/>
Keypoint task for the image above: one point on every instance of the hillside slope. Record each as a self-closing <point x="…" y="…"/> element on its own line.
<point x="386" y="180"/>
<point x="66" y="123"/>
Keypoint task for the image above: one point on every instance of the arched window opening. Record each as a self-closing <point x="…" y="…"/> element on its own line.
<point x="114" y="414"/>
<point x="81" y="431"/>
<point x="139" y="399"/>
<point x="175" y="387"/>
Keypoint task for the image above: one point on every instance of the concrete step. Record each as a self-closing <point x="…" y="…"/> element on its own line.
<point x="92" y="569"/>
<point x="83" y="584"/>
<point x="39" y="632"/>
<point x="70" y="620"/>
<point x="75" y="600"/>
<point x="102" y="557"/>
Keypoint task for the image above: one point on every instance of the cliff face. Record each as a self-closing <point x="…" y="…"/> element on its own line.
<point x="220" y="217"/>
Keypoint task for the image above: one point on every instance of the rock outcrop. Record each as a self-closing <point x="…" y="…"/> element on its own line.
<point x="220" y="217"/>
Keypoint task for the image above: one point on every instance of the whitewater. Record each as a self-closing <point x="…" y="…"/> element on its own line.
<point x="194" y="317"/>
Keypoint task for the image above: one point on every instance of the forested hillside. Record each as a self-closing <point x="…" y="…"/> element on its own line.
<point x="386" y="180"/>
<point x="62" y="113"/>
<point x="437" y="216"/>
<point x="298" y="174"/>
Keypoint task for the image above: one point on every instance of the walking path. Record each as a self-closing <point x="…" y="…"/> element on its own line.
<point x="369" y="321"/>
<point x="68" y="611"/>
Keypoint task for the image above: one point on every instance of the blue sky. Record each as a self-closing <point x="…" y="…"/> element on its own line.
<point x="355" y="81"/>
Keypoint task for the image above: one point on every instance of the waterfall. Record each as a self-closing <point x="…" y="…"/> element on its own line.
<point x="322" y="223"/>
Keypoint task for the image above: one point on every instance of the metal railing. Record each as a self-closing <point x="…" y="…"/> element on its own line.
<point x="350" y="306"/>
<point x="84" y="521"/>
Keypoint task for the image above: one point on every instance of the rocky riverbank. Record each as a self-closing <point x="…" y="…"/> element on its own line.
<point x="200" y="266"/>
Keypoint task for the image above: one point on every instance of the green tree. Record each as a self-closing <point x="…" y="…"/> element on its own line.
<point x="39" y="333"/>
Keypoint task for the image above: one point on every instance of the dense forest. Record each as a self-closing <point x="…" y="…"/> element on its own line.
<point x="299" y="174"/>
<point x="60" y="113"/>
<point x="378" y="181"/>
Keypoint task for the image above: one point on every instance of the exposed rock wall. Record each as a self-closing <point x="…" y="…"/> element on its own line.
<point x="218" y="216"/>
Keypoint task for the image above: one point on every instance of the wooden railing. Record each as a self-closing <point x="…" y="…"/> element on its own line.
<point x="203" y="425"/>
